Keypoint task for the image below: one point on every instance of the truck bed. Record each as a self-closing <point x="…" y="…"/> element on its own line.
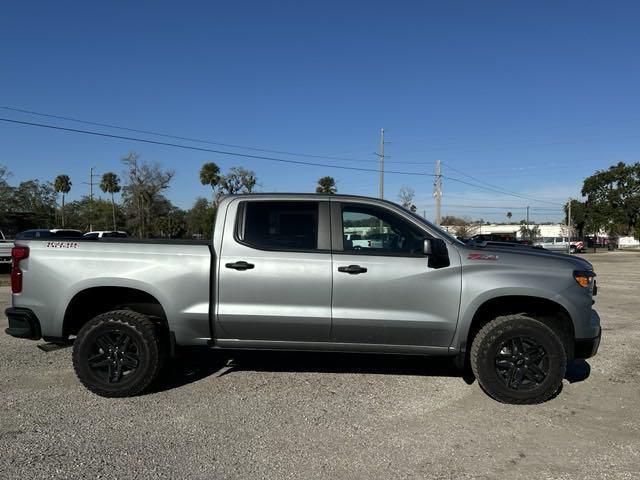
<point x="176" y="273"/>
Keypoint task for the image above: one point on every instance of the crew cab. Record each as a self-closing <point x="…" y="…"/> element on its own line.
<point x="280" y="274"/>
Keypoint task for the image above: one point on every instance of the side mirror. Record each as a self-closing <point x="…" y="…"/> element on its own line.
<point x="436" y="250"/>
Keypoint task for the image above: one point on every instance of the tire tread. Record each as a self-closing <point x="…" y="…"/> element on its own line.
<point x="148" y="331"/>
<point x="496" y="327"/>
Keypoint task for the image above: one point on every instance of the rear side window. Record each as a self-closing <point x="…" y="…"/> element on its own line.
<point x="67" y="234"/>
<point x="280" y="225"/>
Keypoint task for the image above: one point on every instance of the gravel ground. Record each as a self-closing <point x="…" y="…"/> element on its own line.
<point x="329" y="416"/>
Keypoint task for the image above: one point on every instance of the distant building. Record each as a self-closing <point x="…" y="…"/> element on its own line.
<point x="546" y="231"/>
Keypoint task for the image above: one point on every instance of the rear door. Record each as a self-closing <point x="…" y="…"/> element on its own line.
<point x="384" y="291"/>
<point x="274" y="277"/>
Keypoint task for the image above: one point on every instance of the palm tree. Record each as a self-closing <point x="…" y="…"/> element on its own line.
<point x="110" y="183"/>
<point x="62" y="184"/>
<point x="210" y="175"/>
<point x="509" y="215"/>
<point x="326" y="185"/>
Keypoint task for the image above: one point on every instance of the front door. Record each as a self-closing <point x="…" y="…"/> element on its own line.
<point x="274" y="272"/>
<point x="384" y="291"/>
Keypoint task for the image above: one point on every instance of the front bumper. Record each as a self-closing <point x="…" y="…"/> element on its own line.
<point x="587" y="347"/>
<point x="23" y="323"/>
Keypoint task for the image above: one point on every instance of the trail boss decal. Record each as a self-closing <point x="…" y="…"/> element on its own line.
<point x="62" y="245"/>
<point x="482" y="256"/>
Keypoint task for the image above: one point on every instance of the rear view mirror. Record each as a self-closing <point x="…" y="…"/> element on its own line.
<point x="436" y="250"/>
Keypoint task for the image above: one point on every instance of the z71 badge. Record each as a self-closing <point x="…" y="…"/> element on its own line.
<point x="482" y="256"/>
<point x="62" y="245"/>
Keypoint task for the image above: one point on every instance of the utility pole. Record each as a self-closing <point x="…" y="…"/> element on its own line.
<point x="569" y="219"/>
<point x="90" y="183"/>
<point x="381" y="156"/>
<point x="437" y="192"/>
<point x="528" y="227"/>
<point x="90" y="199"/>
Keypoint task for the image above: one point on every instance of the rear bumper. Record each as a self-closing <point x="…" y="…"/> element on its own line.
<point x="587" y="348"/>
<point x="23" y="323"/>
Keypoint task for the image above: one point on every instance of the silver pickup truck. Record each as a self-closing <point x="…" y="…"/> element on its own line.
<point x="281" y="273"/>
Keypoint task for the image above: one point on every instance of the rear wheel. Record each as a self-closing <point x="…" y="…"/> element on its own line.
<point x="518" y="359"/>
<point x="118" y="354"/>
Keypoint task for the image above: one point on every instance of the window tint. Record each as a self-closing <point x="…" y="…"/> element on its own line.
<point x="375" y="230"/>
<point x="66" y="234"/>
<point x="114" y="235"/>
<point x="91" y="235"/>
<point x="281" y="225"/>
<point x="558" y="239"/>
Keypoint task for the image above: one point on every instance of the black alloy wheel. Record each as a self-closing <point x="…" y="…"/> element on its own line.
<point x="520" y="359"/>
<point x="522" y="363"/>
<point x="114" y="355"/>
<point x="119" y="353"/>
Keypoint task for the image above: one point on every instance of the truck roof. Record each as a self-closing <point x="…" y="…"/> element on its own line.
<point x="307" y="195"/>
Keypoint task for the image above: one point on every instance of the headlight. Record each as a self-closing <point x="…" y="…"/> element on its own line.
<point x="585" y="278"/>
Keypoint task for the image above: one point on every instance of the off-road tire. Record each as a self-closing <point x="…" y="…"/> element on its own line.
<point x="487" y="345"/>
<point x="144" y="335"/>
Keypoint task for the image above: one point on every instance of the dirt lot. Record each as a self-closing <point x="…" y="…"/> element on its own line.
<point x="329" y="416"/>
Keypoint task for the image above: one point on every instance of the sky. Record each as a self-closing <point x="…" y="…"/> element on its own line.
<point x="521" y="97"/>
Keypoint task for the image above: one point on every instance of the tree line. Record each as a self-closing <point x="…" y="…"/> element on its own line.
<point x="143" y="209"/>
<point x="611" y="203"/>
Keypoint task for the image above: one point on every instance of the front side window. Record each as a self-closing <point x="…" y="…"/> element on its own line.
<point x="280" y="225"/>
<point x="374" y="230"/>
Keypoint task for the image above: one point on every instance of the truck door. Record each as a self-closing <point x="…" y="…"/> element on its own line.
<point x="384" y="291"/>
<point x="274" y="271"/>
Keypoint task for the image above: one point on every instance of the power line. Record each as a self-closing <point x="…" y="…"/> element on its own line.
<point x="256" y="157"/>
<point x="503" y="207"/>
<point x="209" y="150"/>
<point x="199" y="140"/>
<point x="488" y="184"/>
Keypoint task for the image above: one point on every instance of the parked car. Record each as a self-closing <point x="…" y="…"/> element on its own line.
<point x="106" y="234"/>
<point x="5" y="249"/>
<point x="576" y="246"/>
<point x="495" y="237"/>
<point x="278" y="275"/>
<point x="557" y="244"/>
<point x="42" y="233"/>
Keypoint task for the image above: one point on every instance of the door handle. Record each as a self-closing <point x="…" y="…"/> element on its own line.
<point x="240" y="265"/>
<point x="352" y="269"/>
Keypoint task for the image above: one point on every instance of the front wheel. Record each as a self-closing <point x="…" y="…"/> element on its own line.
<point x="518" y="359"/>
<point x="118" y="354"/>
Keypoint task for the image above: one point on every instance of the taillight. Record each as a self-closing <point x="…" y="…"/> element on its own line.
<point x="17" y="254"/>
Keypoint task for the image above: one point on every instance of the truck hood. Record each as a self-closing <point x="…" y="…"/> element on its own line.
<point x="527" y="256"/>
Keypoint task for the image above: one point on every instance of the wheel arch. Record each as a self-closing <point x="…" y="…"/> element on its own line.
<point x="92" y="301"/>
<point x="546" y="310"/>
